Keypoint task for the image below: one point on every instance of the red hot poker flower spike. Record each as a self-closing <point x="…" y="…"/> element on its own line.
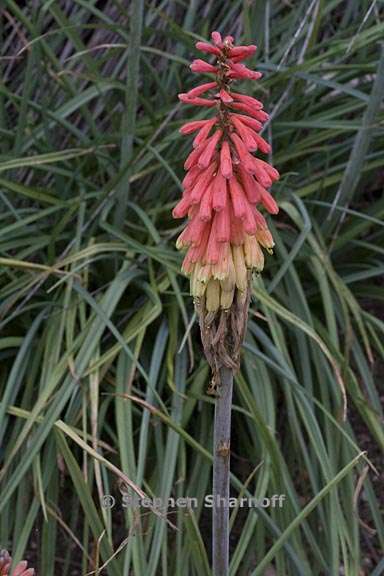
<point x="224" y="187"/>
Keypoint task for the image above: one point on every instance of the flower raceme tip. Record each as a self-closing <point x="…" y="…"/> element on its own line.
<point x="20" y="570"/>
<point x="225" y="184"/>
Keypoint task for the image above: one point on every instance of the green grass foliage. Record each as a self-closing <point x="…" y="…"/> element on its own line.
<point x="102" y="377"/>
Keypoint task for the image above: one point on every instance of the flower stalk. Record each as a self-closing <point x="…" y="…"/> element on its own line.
<point x="224" y="188"/>
<point x="221" y="472"/>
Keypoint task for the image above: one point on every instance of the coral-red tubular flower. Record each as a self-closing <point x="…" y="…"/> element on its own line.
<point x="226" y="187"/>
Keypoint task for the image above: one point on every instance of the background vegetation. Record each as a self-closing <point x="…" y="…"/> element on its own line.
<point x="102" y="375"/>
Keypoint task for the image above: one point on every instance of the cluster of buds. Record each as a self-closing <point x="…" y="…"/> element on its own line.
<point x="225" y="183"/>
<point x="20" y="570"/>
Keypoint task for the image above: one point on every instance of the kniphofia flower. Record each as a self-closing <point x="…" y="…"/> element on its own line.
<point x="20" y="570"/>
<point x="225" y="191"/>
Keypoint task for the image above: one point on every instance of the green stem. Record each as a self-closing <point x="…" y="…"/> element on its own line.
<point x="221" y="471"/>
